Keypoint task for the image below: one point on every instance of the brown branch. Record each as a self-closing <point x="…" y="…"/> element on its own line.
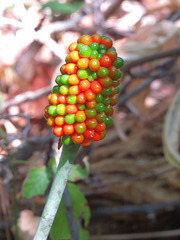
<point x="138" y="236"/>
<point x="151" y="57"/>
<point x="112" y="8"/>
<point x="24" y="97"/>
<point x="101" y="187"/>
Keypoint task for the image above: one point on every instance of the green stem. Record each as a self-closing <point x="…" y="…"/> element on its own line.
<point x="66" y="160"/>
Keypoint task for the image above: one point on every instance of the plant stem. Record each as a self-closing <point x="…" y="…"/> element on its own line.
<point x="66" y="160"/>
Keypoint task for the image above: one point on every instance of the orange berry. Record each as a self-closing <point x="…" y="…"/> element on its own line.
<point x="86" y="142"/>
<point x="96" y="87"/>
<point x="62" y="99"/>
<point x="84" y="85"/>
<point x="77" y="138"/>
<point x="96" y="38"/>
<point x="68" y="59"/>
<point x="90" y="95"/>
<point x="63" y="69"/>
<point x="72" y="46"/>
<point x="51" y="122"/>
<point x="46" y="113"/>
<point x="86" y="39"/>
<point x="107" y="42"/>
<point x="81" y="98"/>
<point x="74" y="55"/>
<point x="97" y="136"/>
<point x="94" y="64"/>
<point x="71" y="108"/>
<point x="49" y="97"/>
<point x="68" y="129"/>
<point x="105" y="61"/>
<point x="55" y="98"/>
<point x="71" y="68"/>
<point x="101" y="126"/>
<point x="91" y="104"/>
<point x="58" y="131"/>
<point x="73" y="79"/>
<point x="59" y="120"/>
<point x="74" y="90"/>
<point x="83" y="63"/>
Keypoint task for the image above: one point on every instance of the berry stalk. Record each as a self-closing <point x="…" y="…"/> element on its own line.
<point x="68" y="155"/>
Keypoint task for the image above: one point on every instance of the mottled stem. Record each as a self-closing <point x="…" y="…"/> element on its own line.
<point x="66" y="160"/>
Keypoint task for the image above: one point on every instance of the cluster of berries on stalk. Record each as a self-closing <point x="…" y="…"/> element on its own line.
<point x="81" y="103"/>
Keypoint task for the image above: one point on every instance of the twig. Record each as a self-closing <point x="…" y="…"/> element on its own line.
<point x="143" y="85"/>
<point x="24" y="97"/>
<point x="98" y="17"/>
<point x="113" y="7"/>
<point x="67" y="157"/>
<point x="149" y="58"/>
<point x="138" y="236"/>
<point x="70" y="216"/>
<point x="24" y="132"/>
<point x="102" y="186"/>
<point x="134" y="209"/>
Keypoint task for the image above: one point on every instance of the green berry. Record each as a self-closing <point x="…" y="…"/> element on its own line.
<point x="66" y="139"/>
<point x="61" y="109"/>
<point x="102" y="46"/>
<point x="91" y="113"/>
<point x="85" y="51"/>
<point x="106" y="92"/>
<point x="55" y="89"/>
<point x="102" y="72"/>
<point x="64" y="89"/>
<point x="108" y="121"/>
<point x="94" y="46"/>
<point x="100" y="107"/>
<point x="64" y="79"/>
<point x="99" y="56"/>
<point x="117" y="89"/>
<point x="81" y="106"/>
<point x="52" y="110"/>
<point x="101" y="117"/>
<point x="94" y="54"/>
<point x="99" y="97"/>
<point x="94" y="75"/>
<point x="106" y="100"/>
<point x="70" y="118"/>
<point x="108" y="109"/>
<point x="90" y="78"/>
<point x="58" y="79"/>
<point x="82" y="74"/>
<point x="79" y="46"/>
<point x="119" y="62"/>
<point x="102" y="51"/>
<point x="118" y="75"/>
<point x="71" y="99"/>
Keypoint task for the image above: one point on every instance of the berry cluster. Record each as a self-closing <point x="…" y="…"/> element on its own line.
<point x="81" y="104"/>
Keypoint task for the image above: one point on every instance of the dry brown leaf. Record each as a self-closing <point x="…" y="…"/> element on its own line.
<point x="27" y="224"/>
<point x="149" y="39"/>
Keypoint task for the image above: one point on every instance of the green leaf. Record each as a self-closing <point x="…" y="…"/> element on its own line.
<point x="83" y="234"/>
<point x="79" y="173"/>
<point x="62" y="8"/>
<point x="36" y="183"/>
<point x="52" y="165"/>
<point x="60" y="228"/>
<point x="79" y="203"/>
<point x="171" y="130"/>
